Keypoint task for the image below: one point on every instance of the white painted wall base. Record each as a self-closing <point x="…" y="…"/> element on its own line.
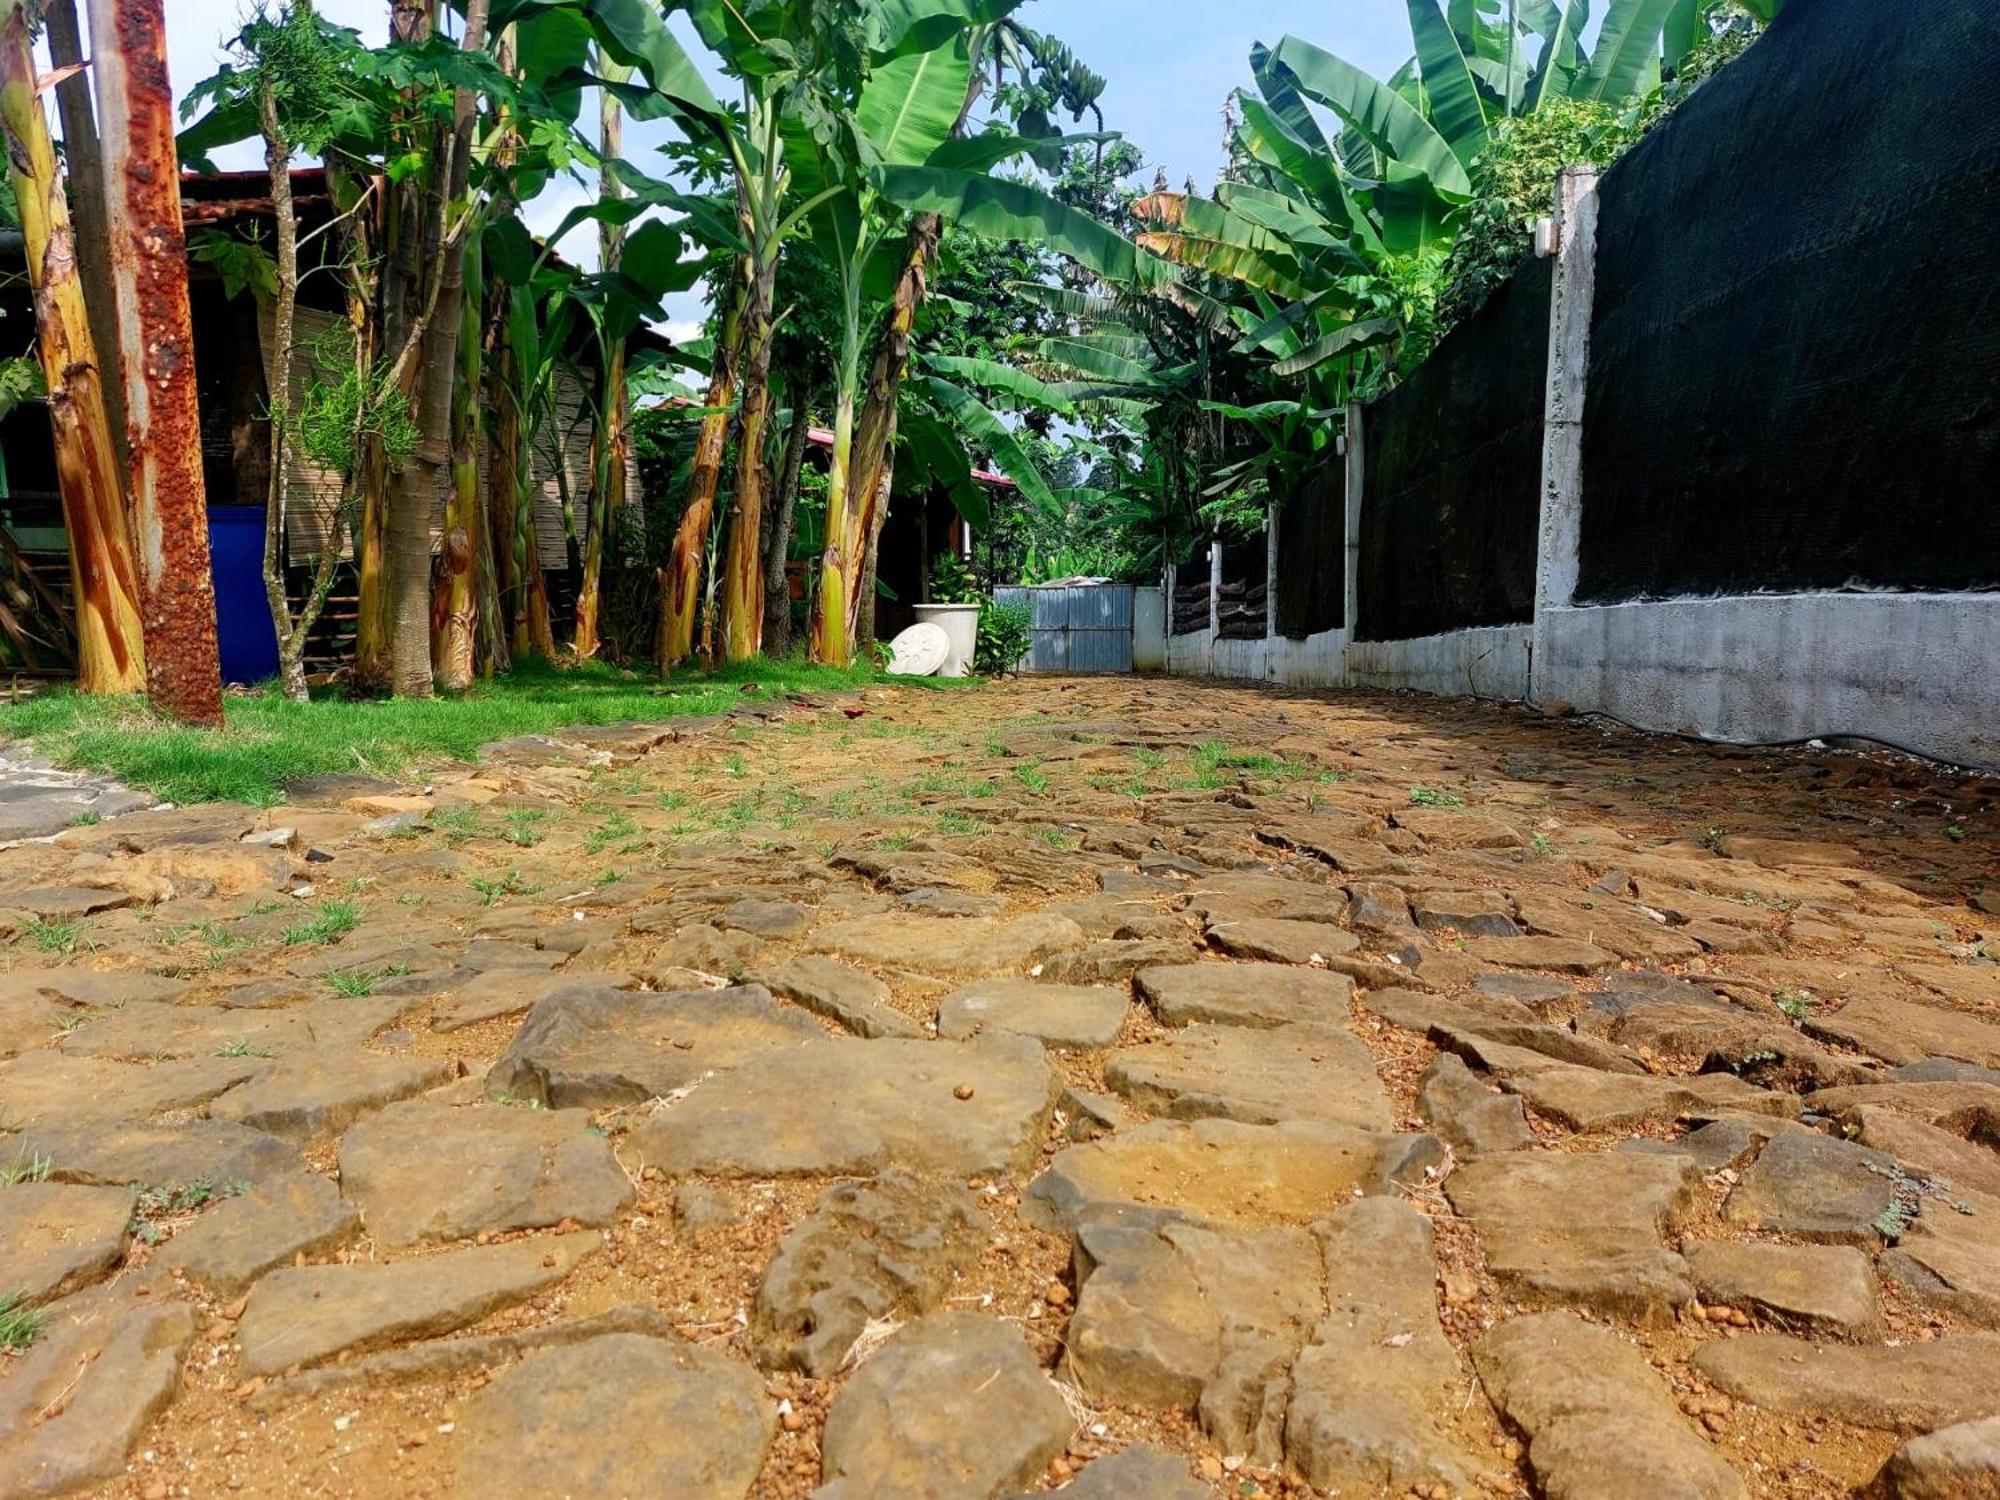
<point x="1917" y="670"/>
<point x="1487" y="663"/>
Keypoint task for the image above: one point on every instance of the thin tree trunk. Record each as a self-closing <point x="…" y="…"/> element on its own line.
<point x="462" y="523"/>
<point x="778" y="531"/>
<point x="840" y="564"/>
<point x="148" y="254"/>
<point x="680" y="588"/>
<point x="743" y="579"/>
<point x="607" y="447"/>
<point x="110" y="648"/>
<point x="278" y="395"/>
<point x="83" y="165"/>
<point x="892" y="359"/>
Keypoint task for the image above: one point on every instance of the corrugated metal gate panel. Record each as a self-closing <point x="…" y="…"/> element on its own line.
<point x="1086" y="628"/>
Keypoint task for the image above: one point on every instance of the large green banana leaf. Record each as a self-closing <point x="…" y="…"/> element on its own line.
<point x="993" y="375"/>
<point x="1383" y="117"/>
<point x="1627" y="50"/>
<point x="977" y="421"/>
<point x="1002" y="209"/>
<point x="931" y="447"/>
<point x="911" y="104"/>
<point x="1341" y="341"/>
<point x="1454" y="98"/>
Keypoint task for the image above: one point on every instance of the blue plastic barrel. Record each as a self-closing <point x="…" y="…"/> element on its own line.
<point x="244" y="634"/>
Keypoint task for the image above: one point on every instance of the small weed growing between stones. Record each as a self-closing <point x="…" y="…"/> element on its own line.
<point x="1057" y="838"/>
<point x="1152" y="760"/>
<point x="509" y="884"/>
<point x="456" y="821"/>
<point x="951" y="820"/>
<point x="240" y="1048"/>
<point x="1033" y="777"/>
<point x="617" y="826"/>
<point x="265" y="908"/>
<point x="1794" y="1003"/>
<point x="607" y="877"/>
<point x="523" y="826"/>
<point x="357" y="983"/>
<point x="335" y="920"/>
<point x="27" y="1169"/>
<point x="895" y="843"/>
<point x="1954" y="832"/>
<point x="672" y="801"/>
<point x="1424" y="796"/>
<point x="1540" y="847"/>
<point x="86" y="820"/>
<point x="55" y="937"/>
<point x="20" y="1325"/>
<point x="154" y="1203"/>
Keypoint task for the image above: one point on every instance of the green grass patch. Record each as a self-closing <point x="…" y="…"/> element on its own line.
<point x="335" y="920"/>
<point x="268" y="738"/>
<point x="20" y="1325"/>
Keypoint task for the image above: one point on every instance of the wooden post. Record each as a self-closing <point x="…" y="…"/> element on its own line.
<point x="148" y="254"/>
<point x="1572" y="289"/>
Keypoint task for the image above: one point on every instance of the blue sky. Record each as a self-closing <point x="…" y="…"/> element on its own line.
<point x="1169" y="65"/>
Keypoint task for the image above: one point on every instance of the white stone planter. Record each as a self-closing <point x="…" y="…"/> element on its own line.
<point x="960" y="623"/>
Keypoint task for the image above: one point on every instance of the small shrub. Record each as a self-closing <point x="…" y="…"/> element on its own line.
<point x="1005" y="632"/>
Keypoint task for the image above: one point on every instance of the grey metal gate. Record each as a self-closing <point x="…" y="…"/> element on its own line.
<point x="1077" y="627"/>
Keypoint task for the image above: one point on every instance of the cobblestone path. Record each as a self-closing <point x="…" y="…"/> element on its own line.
<point x="1147" y="1090"/>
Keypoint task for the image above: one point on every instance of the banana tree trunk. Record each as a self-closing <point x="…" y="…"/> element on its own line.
<point x="680" y="587"/>
<point x="457" y="587"/>
<point x="840" y="564"/>
<point x="110" y="648"/>
<point x="778" y="531"/>
<point x="148" y="254"/>
<point x="743" y="578"/>
<point x="864" y="619"/>
<point x="892" y="360"/>
<point x="607" y="447"/>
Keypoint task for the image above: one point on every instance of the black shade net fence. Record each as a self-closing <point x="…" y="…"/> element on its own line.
<point x="1451" y="466"/>
<point x="1312" y="553"/>
<point x="1794" y="377"/>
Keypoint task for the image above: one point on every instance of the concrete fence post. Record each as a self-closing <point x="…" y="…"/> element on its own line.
<point x="1351" y="582"/>
<point x="1214" y="598"/>
<point x="1572" y="289"/>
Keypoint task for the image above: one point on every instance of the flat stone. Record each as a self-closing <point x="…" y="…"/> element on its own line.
<point x="1224" y="1172"/>
<point x="1583" y="1228"/>
<point x="1275" y="940"/>
<point x="1448" y="1023"/>
<point x="1938" y="1152"/>
<point x="1467" y="1115"/>
<point x="1599" y="1422"/>
<point x="766" y="919"/>
<point x="318" y="1094"/>
<point x="1242" y="897"/>
<point x="1141" y="1472"/>
<point x="1557" y="954"/>
<point x="273" y="993"/>
<point x="620" y="1415"/>
<point x="74" y="1406"/>
<point x="953" y="1404"/>
<point x="1531" y="990"/>
<point x="48" y="1088"/>
<point x="65" y="903"/>
<point x="117" y="1153"/>
<point x="1074" y="1016"/>
<point x="952" y="947"/>
<point x="182" y="1031"/>
<point x="596" y="1048"/>
<point x="1244" y="994"/>
<point x="421" y="1170"/>
<point x="1898" y="1031"/>
<point x="1782" y="852"/>
<point x="1180" y="1315"/>
<point x="56" y="1236"/>
<point x="301" y="1315"/>
<point x="1115" y="960"/>
<point x="513" y="992"/>
<point x="1945" y="1070"/>
<point x="1950" y="1260"/>
<point x="1961" y="1462"/>
<point x="888" y="1247"/>
<point x="93" y="989"/>
<point x="1916" y="1387"/>
<point x="1816" y="1188"/>
<point x="28" y="1021"/>
<point x="1814" y="1288"/>
<point x="1473" y="913"/>
<point x="840" y="1105"/>
<point x="239" y="1239"/>
<point x="1296" y="1072"/>
<point x="849" y="997"/>
<point x="1590" y="1099"/>
<point x="1374" y="1392"/>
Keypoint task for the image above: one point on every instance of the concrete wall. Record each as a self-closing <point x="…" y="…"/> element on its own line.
<point x="1919" y="671"/>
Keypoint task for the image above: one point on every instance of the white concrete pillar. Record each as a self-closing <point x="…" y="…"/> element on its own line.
<point x="1572" y="288"/>
<point x="1214" y="598"/>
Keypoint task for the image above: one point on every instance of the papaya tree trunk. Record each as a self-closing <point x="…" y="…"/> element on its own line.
<point x="148" y="256"/>
<point x="278" y="395"/>
<point x="743" y="578"/>
<point x="680" y="588"/>
<point x="607" y="448"/>
<point x="778" y="531"/>
<point x="110" y="647"/>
